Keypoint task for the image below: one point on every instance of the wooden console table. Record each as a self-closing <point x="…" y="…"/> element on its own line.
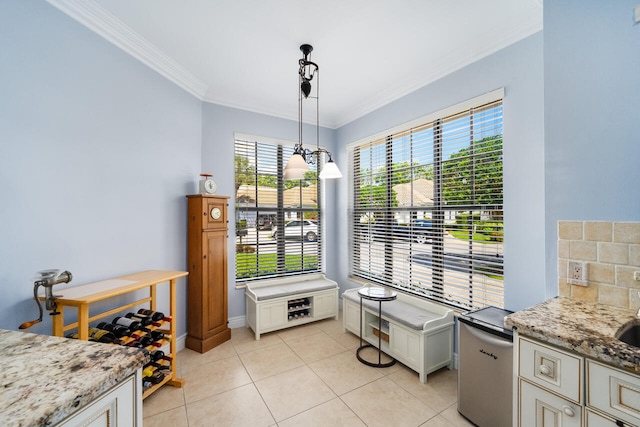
<point x="82" y="296"/>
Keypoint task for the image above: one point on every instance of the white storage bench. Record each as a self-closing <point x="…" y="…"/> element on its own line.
<point x="275" y="304"/>
<point x="415" y="332"/>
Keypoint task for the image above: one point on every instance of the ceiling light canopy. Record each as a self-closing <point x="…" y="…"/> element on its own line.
<point x="299" y="161"/>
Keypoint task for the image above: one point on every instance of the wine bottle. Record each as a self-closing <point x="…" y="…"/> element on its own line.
<point x="129" y="323"/>
<point x="118" y="330"/>
<point x="101" y="335"/>
<point x="160" y="355"/>
<point x="145" y="320"/>
<point x="145" y="341"/>
<point x="161" y="365"/>
<point x="156" y="378"/>
<point x="155" y="315"/>
<point x="155" y="335"/>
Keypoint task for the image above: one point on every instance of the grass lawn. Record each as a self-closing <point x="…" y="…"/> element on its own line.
<point x="267" y="264"/>
<point x="477" y="237"/>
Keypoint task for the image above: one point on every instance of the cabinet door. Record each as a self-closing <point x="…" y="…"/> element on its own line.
<point x="324" y="305"/>
<point x="539" y="408"/>
<point x="213" y="206"/>
<point x="215" y="282"/>
<point x="351" y="313"/>
<point x="405" y="344"/>
<point x="273" y="316"/>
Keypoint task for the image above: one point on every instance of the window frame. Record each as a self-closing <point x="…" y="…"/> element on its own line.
<point x="284" y="247"/>
<point x="440" y="262"/>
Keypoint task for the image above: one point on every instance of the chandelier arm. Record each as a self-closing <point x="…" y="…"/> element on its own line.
<point x="306" y="72"/>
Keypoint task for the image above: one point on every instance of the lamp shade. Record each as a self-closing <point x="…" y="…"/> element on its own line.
<point x="296" y="167"/>
<point x="330" y="171"/>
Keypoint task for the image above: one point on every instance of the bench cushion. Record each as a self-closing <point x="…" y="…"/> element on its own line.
<point x="400" y="311"/>
<point x="277" y="291"/>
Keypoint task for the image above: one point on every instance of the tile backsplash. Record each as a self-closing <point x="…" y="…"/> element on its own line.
<point x="611" y="251"/>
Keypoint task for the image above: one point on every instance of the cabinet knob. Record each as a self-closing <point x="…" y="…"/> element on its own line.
<point x="545" y="370"/>
<point x="204" y="256"/>
<point x="568" y="410"/>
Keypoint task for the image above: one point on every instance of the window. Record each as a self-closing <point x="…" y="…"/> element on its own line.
<point x="426" y="206"/>
<point x="278" y="229"/>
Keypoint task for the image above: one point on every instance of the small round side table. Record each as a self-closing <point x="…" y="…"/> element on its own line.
<point x="375" y="294"/>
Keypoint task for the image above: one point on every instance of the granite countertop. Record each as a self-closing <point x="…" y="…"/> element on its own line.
<point x="583" y="327"/>
<point x="44" y="379"/>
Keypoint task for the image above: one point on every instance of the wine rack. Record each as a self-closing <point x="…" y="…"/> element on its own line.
<point x="81" y="297"/>
<point x="299" y="308"/>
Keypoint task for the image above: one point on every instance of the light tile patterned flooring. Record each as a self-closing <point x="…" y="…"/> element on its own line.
<point x="303" y="376"/>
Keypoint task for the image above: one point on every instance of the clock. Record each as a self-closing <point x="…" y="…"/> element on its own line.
<point x="207" y="185"/>
<point x="216" y="213"/>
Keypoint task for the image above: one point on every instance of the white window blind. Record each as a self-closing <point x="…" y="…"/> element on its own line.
<point x="426" y="206"/>
<point x="278" y="227"/>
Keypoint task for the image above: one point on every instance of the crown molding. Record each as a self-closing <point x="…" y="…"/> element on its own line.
<point x="98" y="20"/>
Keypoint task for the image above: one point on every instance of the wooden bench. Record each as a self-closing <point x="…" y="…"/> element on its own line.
<point x="416" y="332"/>
<point x="281" y="303"/>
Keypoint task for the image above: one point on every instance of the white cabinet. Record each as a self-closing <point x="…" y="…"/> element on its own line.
<point x="119" y="407"/>
<point x="553" y="369"/>
<point x="423" y="350"/>
<point x="405" y="344"/>
<point x="283" y="303"/>
<point x="324" y="305"/>
<point x="550" y="385"/>
<point x="614" y="392"/>
<point x="351" y="315"/>
<point x="540" y="408"/>
<point x="273" y="315"/>
<point x="560" y="388"/>
<point x="594" y="419"/>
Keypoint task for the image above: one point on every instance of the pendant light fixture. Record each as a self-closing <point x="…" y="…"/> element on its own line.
<point x="299" y="161"/>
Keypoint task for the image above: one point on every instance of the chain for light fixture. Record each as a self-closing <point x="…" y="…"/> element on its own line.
<point x="297" y="165"/>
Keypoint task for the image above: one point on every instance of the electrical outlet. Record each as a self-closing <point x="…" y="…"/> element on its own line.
<point x="577" y="273"/>
<point x="636" y="276"/>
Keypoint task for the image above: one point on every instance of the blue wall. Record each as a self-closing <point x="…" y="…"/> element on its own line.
<point x="97" y="154"/>
<point x="592" y="115"/>
<point x="518" y="69"/>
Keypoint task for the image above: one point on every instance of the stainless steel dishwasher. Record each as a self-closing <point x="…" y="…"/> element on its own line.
<point x="485" y="368"/>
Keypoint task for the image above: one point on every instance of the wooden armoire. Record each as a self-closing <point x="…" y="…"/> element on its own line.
<point x="207" y="299"/>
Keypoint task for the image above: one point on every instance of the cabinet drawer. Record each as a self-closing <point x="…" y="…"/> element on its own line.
<point x="539" y="408"/>
<point x="593" y="419"/>
<point x="551" y="368"/>
<point x="613" y="391"/>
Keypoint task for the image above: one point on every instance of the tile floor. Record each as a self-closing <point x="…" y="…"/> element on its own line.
<point x="307" y="375"/>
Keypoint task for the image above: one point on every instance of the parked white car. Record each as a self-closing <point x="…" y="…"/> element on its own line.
<point x="299" y="229"/>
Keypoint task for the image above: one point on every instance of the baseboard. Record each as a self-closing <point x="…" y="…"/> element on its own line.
<point x="180" y="342"/>
<point x="237" y="322"/>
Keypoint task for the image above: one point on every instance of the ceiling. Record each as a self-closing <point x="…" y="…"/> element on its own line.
<point x="244" y="53"/>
